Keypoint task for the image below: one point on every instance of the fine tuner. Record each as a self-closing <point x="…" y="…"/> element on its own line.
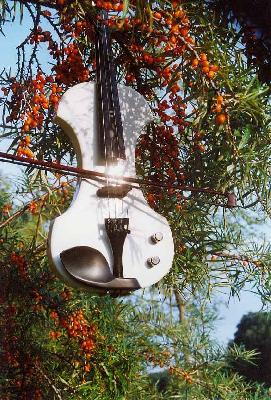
<point x="109" y="240"/>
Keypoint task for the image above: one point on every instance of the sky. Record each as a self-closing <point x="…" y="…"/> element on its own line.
<point x="230" y="312"/>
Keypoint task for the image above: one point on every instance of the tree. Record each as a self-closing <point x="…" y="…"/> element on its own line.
<point x="254" y="333"/>
<point x="256" y="28"/>
<point x="211" y="131"/>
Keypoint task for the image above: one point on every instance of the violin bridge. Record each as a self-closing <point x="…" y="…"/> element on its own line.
<point x="117" y="230"/>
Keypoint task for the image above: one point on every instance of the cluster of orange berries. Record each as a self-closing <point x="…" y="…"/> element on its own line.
<point x="38" y="35"/>
<point x="38" y="103"/>
<point x="178" y="25"/>
<point x="207" y="69"/>
<point x="31" y="96"/>
<point x="6" y="209"/>
<point x="181" y="372"/>
<point x="114" y="5"/>
<point x="85" y="27"/>
<point x="162" y="359"/>
<point x="20" y="262"/>
<point x="64" y="191"/>
<point x="173" y="30"/>
<point x="66" y="294"/>
<point x="169" y="37"/>
<point x="34" y="106"/>
<point x="23" y="148"/>
<point x="144" y="57"/>
<point x="165" y="165"/>
<point x="71" y="69"/>
<point x="37" y="296"/>
<point x="16" y="99"/>
<point x="164" y="110"/>
<point x="221" y="116"/>
<point x="54" y="335"/>
<point x="33" y="207"/>
<point x="79" y="330"/>
<point x="163" y="147"/>
<point x="78" y="326"/>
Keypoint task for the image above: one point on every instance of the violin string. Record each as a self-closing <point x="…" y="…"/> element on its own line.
<point x="101" y="123"/>
<point x="109" y="80"/>
<point x="109" y="108"/>
<point x="116" y="114"/>
<point x="104" y="100"/>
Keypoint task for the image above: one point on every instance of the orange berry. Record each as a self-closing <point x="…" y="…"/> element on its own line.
<point x="220" y="119"/>
<point x="175" y="29"/>
<point x="211" y="74"/>
<point x="203" y="57"/>
<point x="205" y="63"/>
<point x="205" y="70"/>
<point x="195" y="63"/>
<point x="219" y="99"/>
<point x="169" y="21"/>
<point x="173" y="39"/>
<point x="28" y="153"/>
<point x="179" y="14"/>
<point x="218" y="107"/>
<point x="157" y="15"/>
<point x="175" y="88"/>
<point x="184" y="31"/>
<point x="130" y="78"/>
<point x="201" y="147"/>
<point x="214" y="68"/>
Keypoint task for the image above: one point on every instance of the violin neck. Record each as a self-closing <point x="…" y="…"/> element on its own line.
<point x="110" y="130"/>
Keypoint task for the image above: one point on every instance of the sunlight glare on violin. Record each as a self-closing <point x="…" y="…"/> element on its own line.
<point x="116" y="170"/>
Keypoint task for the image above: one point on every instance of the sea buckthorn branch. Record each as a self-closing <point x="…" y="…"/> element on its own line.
<point x="235" y="257"/>
<point x="44" y="3"/>
<point x="32" y="205"/>
<point x="50" y="382"/>
<point x="21" y="47"/>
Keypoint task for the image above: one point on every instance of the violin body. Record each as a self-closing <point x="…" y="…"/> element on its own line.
<point x="82" y="225"/>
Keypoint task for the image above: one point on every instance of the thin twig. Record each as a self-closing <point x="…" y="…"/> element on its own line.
<point x="42" y="199"/>
<point x="55" y="389"/>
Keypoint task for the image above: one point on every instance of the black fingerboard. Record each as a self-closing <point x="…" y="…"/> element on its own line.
<point x="110" y="129"/>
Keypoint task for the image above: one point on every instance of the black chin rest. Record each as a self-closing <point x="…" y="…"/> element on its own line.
<point x="88" y="265"/>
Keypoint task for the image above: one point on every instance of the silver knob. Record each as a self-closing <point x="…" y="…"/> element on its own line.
<point x="157" y="237"/>
<point x="152" y="261"/>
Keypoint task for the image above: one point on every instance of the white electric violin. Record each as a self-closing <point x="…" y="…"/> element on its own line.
<point x="109" y="240"/>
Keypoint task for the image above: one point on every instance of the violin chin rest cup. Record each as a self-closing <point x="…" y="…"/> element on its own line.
<point x="86" y="264"/>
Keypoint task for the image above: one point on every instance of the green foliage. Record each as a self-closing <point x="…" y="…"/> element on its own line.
<point x="254" y="333"/>
<point x="59" y="343"/>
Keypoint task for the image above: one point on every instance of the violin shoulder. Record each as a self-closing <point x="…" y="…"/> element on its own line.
<point x="134" y="107"/>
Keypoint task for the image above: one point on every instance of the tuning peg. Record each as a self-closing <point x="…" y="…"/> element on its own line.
<point x="157" y="237"/>
<point x="152" y="261"/>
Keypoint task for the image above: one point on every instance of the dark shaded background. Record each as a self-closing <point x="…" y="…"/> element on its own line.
<point x="254" y="18"/>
